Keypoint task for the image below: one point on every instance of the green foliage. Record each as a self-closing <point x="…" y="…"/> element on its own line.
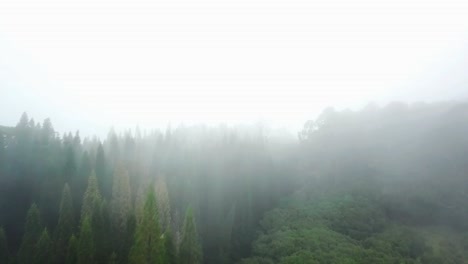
<point x="103" y="176"/>
<point x="43" y="249"/>
<point x="65" y="226"/>
<point x="32" y="232"/>
<point x="345" y="228"/>
<point x="72" y="250"/>
<point x="375" y="186"/>
<point x="149" y="242"/>
<point x="86" y="249"/>
<point x="190" y="249"/>
<point x="91" y="199"/>
<point x="170" y="246"/>
<point x="121" y="204"/>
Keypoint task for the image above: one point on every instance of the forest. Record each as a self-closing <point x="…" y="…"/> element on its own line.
<point x="384" y="184"/>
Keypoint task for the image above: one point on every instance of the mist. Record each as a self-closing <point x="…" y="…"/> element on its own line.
<point x="248" y="132"/>
<point x="92" y="65"/>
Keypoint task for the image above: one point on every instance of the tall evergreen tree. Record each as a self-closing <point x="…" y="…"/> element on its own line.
<point x="190" y="248"/>
<point x="92" y="197"/>
<point x="120" y="208"/>
<point x="86" y="249"/>
<point x="105" y="182"/>
<point x="72" y="250"/>
<point x="47" y="133"/>
<point x="121" y="200"/>
<point x="32" y="232"/>
<point x="170" y="246"/>
<point x="149" y="243"/>
<point x="164" y="207"/>
<point x="4" y="254"/>
<point x="100" y="225"/>
<point x="65" y="225"/>
<point x="79" y="183"/>
<point x="43" y="249"/>
<point x="70" y="168"/>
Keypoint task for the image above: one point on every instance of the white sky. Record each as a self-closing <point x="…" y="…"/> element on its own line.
<point x="90" y="64"/>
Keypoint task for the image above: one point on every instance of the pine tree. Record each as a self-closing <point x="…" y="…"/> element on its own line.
<point x="100" y="225"/>
<point x="65" y="225"/>
<point x="70" y="168"/>
<point x="32" y="232"/>
<point x="121" y="201"/>
<point x="120" y="210"/>
<point x="43" y="248"/>
<point x="92" y="197"/>
<point x="104" y="180"/>
<point x="96" y="210"/>
<point x="164" y="207"/>
<point x="149" y="244"/>
<point x="3" y="247"/>
<point x="190" y="249"/>
<point x="72" y="250"/>
<point x="170" y="246"/>
<point x="79" y="183"/>
<point x="86" y="250"/>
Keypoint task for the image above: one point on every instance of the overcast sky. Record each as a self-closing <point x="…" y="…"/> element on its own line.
<point x="91" y="64"/>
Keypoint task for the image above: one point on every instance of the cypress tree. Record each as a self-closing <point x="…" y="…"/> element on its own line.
<point x="3" y="247"/>
<point x="86" y="250"/>
<point x="190" y="249"/>
<point x="32" y="232"/>
<point x="149" y="244"/>
<point x="65" y="225"/>
<point x="43" y="248"/>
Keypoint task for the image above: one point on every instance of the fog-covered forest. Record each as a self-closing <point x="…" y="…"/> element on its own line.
<point x="383" y="184"/>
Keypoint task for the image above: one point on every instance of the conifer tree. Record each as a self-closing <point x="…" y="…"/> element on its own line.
<point x="100" y="225"/>
<point x="120" y="210"/>
<point x="86" y="249"/>
<point x="190" y="249"/>
<point x="91" y="198"/>
<point x="121" y="201"/>
<point x="105" y="182"/>
<point x="149" y="244"/>
<point x="170" y="246"/>
<point x="164" y="207"/>
<point x="72" y="250"/>
<point x="96" y="210"/>
<point x="32" y="232"/>
<point x="43" y="248"/>
<point x="4" y="254"/>
<point x="79" y="183"/>
<point x="65" y="226"/>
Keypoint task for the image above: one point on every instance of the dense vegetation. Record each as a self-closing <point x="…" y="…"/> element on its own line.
<point x="381" y="185"/>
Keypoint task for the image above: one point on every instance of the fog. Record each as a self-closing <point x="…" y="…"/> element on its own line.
<point x="91" y="65"/>
<point x="247" y="132"/>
